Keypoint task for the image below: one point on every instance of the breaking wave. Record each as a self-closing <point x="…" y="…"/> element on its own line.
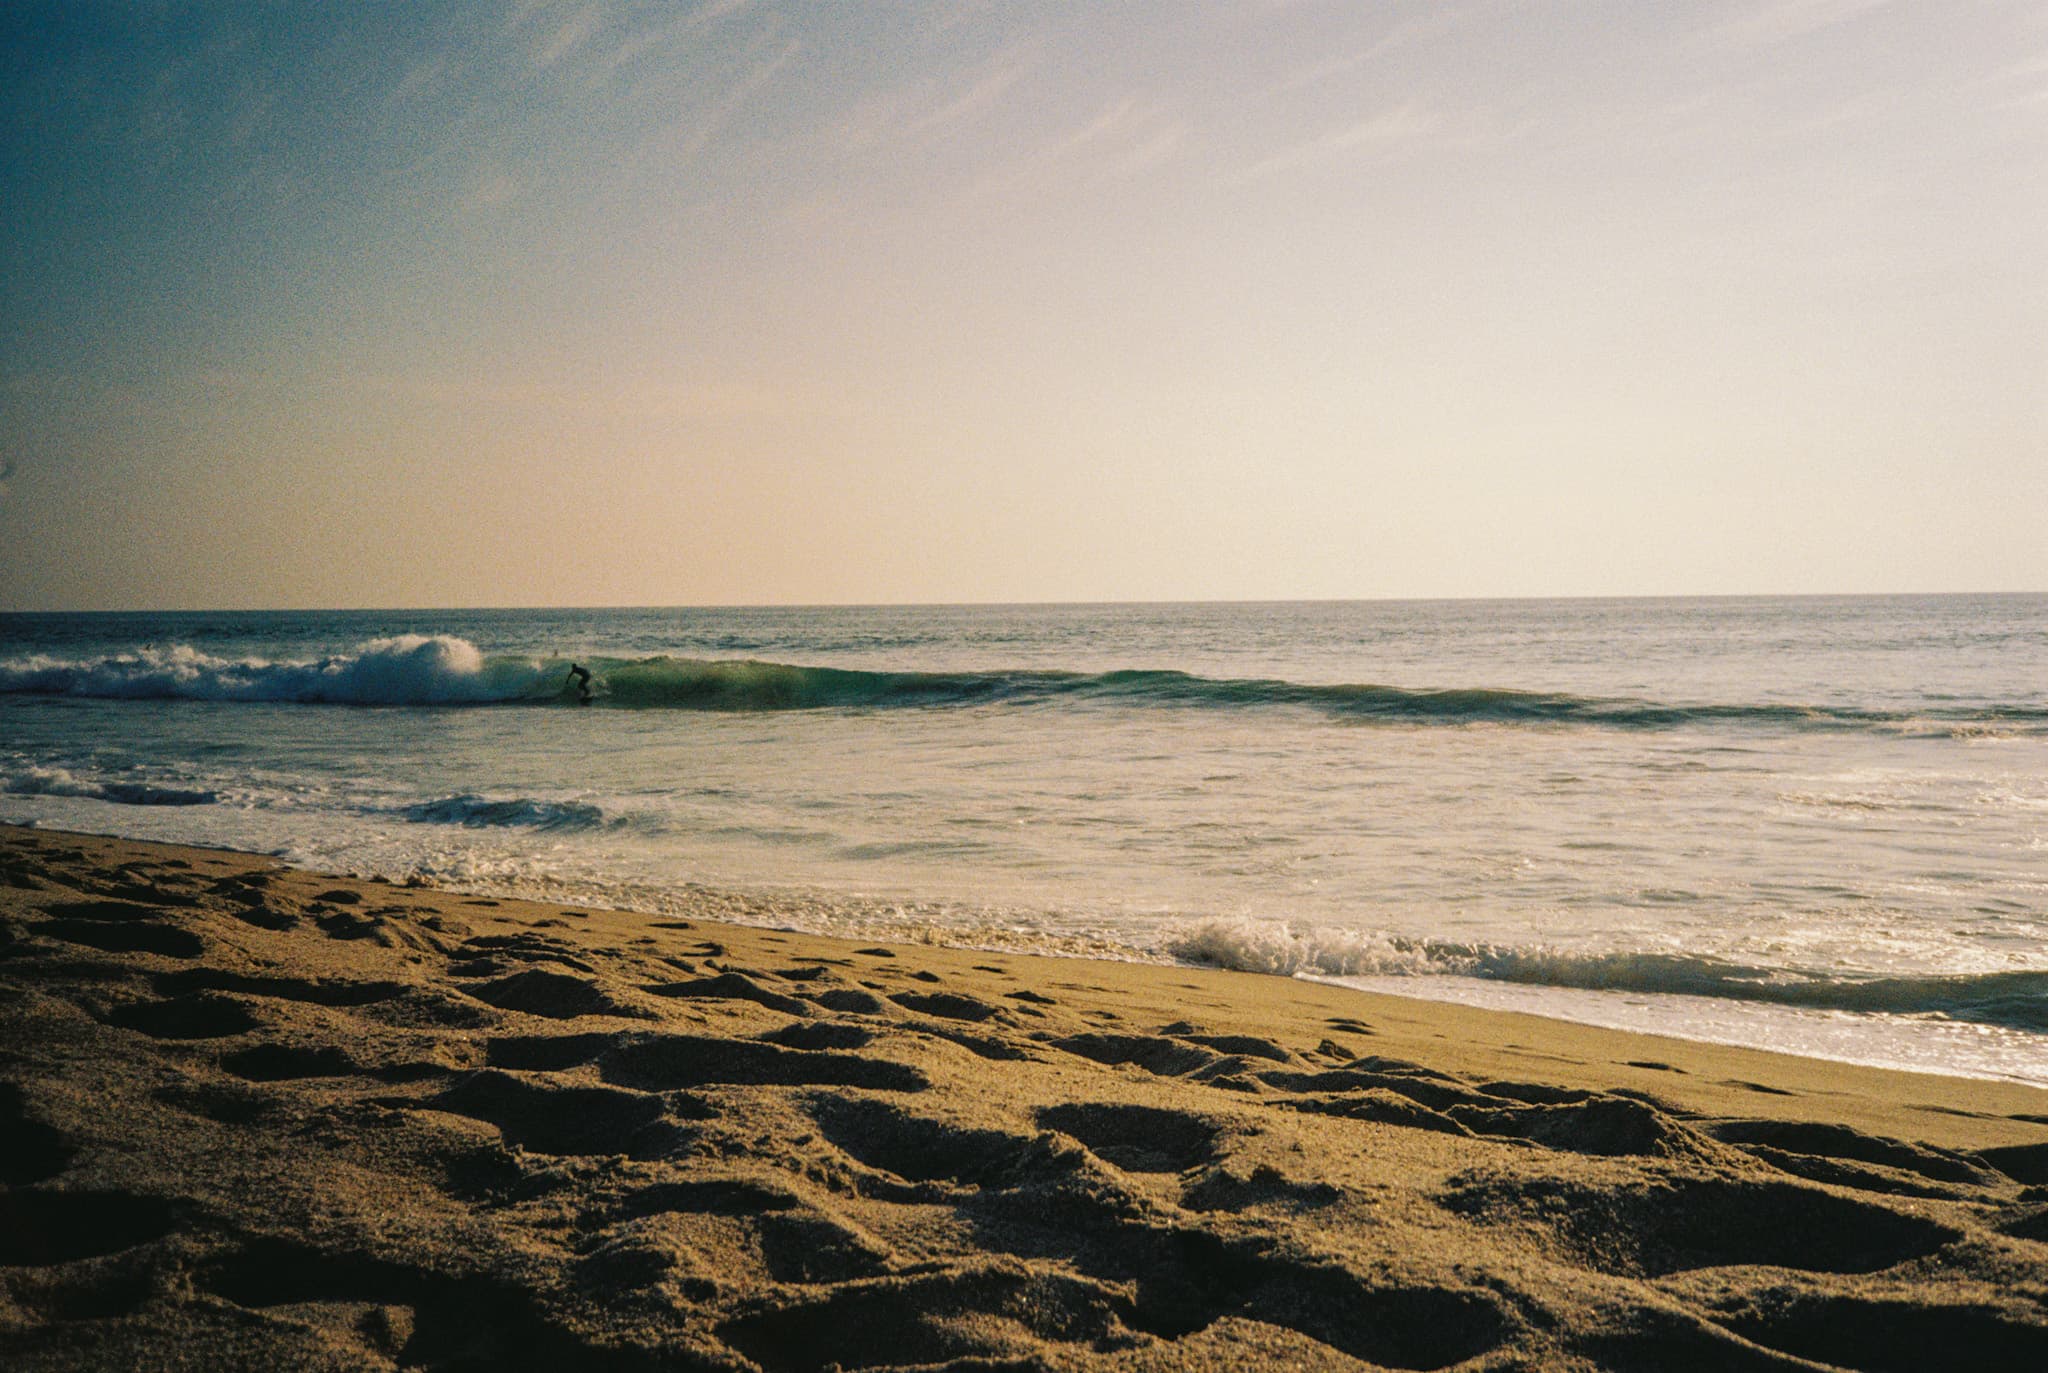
<point x="410" y="669"/>
<point x="440" y="670"/>
<point x="523" y="812"/>
<point x="2015" y="999"/>
<point x="36" y="781"/>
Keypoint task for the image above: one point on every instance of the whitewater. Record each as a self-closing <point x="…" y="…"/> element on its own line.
<point x="1812" y="824"/>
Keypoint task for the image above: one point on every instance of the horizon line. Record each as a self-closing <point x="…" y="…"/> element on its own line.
<point x="398" y="609"/>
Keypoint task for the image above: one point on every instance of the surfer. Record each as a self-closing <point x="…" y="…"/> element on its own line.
<point x="580" y="675"/>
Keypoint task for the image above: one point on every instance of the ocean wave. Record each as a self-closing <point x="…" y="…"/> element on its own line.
<point x="409" y="669"/>
<point x="37" y="781"/>
<point x="440" y="670"/>
<point x="521" y="812"/>
<point x="2018" y="1000"/>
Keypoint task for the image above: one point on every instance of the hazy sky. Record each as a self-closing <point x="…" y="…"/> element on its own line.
<point x="487" y="304"/>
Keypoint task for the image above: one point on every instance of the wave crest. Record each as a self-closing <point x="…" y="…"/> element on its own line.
<point x="415" y="669"/>
<point x="523" y="812"/>
<point x="36" y="781"/>
<point x="2015" y="999"/>
<point x="408" y="669"/>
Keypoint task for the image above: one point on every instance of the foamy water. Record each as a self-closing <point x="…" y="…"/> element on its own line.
<point x="1812" y="824"/>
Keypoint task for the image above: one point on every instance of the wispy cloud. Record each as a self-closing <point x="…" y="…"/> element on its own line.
<point x="1122" y="140"/>
<point x="419" y="80"/>
<point x="1341" y="59"/>
<point x="1781" y="21"/>
<point x="712" y="11"/>
<point x="669" y="37"/>
<point x="566" y="37"/>
<point x="1390" y="133"/>
<point x="1850" y="113"/>
<point x="685" y="140"/>
<point x="931" y="107"/>
<point x="1326" y="68"/>
<point x="1133" y="132"/>
<point x="2022" y="84"/>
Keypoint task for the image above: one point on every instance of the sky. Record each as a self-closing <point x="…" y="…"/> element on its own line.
<point x="448" y="304"/>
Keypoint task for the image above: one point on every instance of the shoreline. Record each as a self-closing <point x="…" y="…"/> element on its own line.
<point x="738" y="910"/>
<point x="1896" y="1043"/>
<point x="268" y="1117"/>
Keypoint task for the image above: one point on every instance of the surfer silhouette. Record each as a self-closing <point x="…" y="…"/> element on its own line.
<point x="580" y="675"/>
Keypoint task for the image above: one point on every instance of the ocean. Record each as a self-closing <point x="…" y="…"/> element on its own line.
<point x="1818" y="825"/>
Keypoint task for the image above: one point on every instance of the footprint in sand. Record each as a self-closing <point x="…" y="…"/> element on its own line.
<point x="821" y="1034"/>
<point x="119" y="927"/>
<point x="1895" y="1336"/>
<point x="524" y="948"/>
<point x="1138" y="1139"/>
<point x="946" y="1005"/>
<point x="1675" y="1225"/>
<point x="186" y="1017"/>
<point x="731" y="986"/>
<point x="288" y="1062"/>
<point x="35" y="1150"/>
<point x="552" y="1119"/>
<point x="662" y="1063"/>
<point x="553" y="995"/>
<point x="1784" y="1143"/>
<point x="282" y="987"/>
<point x="849" y="1001"/>
<point x="38" y="1228"/>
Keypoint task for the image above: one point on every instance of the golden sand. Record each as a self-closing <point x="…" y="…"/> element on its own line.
<point x="258" y="1118"/>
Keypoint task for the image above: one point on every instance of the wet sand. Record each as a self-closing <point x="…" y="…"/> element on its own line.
<point x="258" y="1118"/>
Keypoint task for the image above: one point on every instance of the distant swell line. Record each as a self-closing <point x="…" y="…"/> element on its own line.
<point x="415" y="670"/>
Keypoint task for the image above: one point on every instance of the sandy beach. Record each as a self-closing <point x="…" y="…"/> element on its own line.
<point x="252" y="1117"/>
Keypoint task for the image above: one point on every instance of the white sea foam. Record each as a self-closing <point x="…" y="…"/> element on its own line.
<point x="2015" y="997"/>
<point x="1289" y="950"/>
<point x="41" y="781"/>
<point x="405" y="669"/>
<point x="518" y="812"/>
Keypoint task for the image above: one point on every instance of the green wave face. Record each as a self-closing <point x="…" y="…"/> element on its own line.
<point x="749" y="685"/>
<point x="742" y="685"/>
